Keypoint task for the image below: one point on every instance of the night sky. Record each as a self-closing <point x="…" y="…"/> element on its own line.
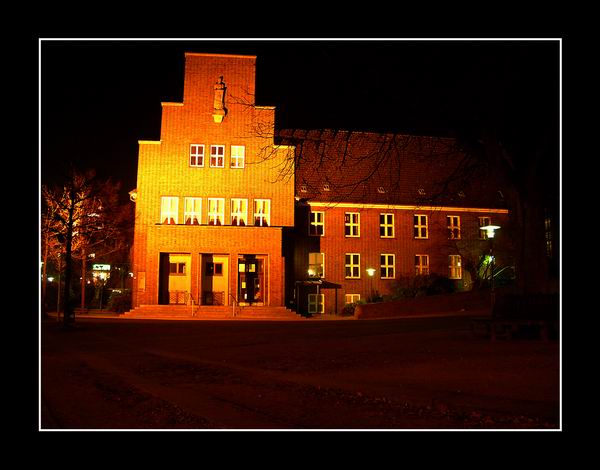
<point x="98" y="98"/>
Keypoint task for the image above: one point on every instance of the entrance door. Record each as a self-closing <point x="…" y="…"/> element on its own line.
<point x="174" y="280"/>
<point x="214" y="279"/>
<point x="251" y="280"/>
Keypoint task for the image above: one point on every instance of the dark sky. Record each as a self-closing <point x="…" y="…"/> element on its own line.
<point x="98" y="98"/>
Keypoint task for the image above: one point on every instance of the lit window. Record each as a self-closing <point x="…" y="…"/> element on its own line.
<point x="420" y="226"/>
<point x="421" y="264"/>
<point x="217" y="156"/>
<point x="453" y="227"/>
<point x="239" y="212"/>
<point x="386" y="225"/>
<point x="454" y="267"/>
<point x="216" y="211"/>
<point x="352" y="264"/>
<point x="388" y="266"/>
<point x="548" y="234"/>
<point x="316" y="265"/>
<point x="196" y="155"/>
<point x="352" y="224"/>
<point x="351" y="298"/>
<point x="316" y="226"/>
<point x="192" y="211"/>
<point x="213" y="269"/>
<point x="238" y="153"/>
<point x="169" y="209"/>
<point x="484" y="221"/>
<point x="316" y="303"/>
<point x="177" y="269"/>
<point x="262" y="212"/>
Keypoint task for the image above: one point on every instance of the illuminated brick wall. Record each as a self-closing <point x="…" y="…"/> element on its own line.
<point x="164" y="170"/>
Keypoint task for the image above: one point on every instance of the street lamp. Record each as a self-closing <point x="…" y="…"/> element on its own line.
<point x="371" y="273"/>
<point x="490" y="231"/>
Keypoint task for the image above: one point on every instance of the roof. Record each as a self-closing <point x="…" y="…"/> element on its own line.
<point x="372" y="168"/>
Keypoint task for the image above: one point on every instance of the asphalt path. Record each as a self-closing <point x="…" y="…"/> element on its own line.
<point x="418" y="373"/>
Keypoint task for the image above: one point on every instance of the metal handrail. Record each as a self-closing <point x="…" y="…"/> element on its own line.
<point x="233" y="304"/>
<point x="191" y="302"/>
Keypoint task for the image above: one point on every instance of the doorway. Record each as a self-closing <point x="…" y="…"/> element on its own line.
<point x="252" y="286"/>
<point x="214" y="279"/>
<point x="174" y="281"/>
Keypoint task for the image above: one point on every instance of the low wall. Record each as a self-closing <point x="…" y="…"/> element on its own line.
<point x="467" y="301"/>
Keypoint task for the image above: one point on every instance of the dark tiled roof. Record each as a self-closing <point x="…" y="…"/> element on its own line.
<point x="361" y="167"/>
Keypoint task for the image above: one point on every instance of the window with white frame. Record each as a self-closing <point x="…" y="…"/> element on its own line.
<point x="421" y="265"/>
<point x="483" y="221"/>
<point x="351" y="298"/>
<point x="238" y="155"/>
<point x="388" y="266"/>
<point x="217" y="156"/>
<point x="262" y="212"/>
<point x="316" y="265"/>
<point x="196" y="155"/>
<point x="169" y="207"/>
<point x="239" y="212"/>
<point x="386" y="225"/>
<point x="454" y="267"/>
<point x="192" y="214"/>
<point x="216" y="211"/>
<point x="316" y="226"/>
<point x="316" y="303"/>
<point x="352" y="265"/>
<point x="420" y="226"/>
<point x="352" y="224"/>
<point x="453" y="227"/>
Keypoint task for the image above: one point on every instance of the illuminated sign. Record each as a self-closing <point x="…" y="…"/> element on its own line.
<point x="101" y="267"/>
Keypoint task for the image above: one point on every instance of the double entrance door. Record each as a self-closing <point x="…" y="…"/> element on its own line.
<point x="251" y="280"/>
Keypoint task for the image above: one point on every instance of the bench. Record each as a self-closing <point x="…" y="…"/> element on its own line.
<point x="508" y="328"/>
<point x="513" y="314"/>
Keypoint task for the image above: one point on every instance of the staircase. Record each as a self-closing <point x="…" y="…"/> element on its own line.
<point x="209" y="312"/>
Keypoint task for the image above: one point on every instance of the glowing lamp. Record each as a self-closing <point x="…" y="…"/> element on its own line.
<point x="490" y="230"/>
<point x="311" y="272"/>
<point x="371" y="271"/>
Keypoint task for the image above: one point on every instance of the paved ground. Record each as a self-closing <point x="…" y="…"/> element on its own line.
<point x="418" y="373"/>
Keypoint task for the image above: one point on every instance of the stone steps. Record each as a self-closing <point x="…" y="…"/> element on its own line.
<point x="186" y="312"/>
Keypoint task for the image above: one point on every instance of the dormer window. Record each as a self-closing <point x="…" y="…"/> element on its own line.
<point x="303" y="188"/>
<point x="326" y="187"/>
<point x="421" y="192"/>
<point x="381" y="190"/>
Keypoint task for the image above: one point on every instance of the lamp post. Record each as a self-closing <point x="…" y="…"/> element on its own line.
<point x="490" y="232"/>
<point x="371" y="273"/>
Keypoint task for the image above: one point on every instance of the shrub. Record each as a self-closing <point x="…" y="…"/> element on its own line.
<point x="120" y="300"/>
<point x="416" y="286"/>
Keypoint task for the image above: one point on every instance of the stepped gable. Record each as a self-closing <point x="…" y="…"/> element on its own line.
<point x="373" y="168"/>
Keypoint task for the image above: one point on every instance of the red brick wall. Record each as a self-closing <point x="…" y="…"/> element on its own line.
<point x="370" y="246"/>
<point x="164" y="170"/>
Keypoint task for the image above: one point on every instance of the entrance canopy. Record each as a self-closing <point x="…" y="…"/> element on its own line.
<point x="323" y="284"/>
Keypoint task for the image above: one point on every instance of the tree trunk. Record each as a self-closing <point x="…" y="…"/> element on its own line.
<point x="69" y="314"/>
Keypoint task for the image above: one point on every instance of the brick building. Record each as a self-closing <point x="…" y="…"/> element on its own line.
<point x="374" y="210"/>
<point x="226" y="213"/>
<point x="210" y="210"/>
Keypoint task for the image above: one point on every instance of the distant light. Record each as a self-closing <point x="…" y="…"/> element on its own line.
<point x="371" y="271"/>
<point x="490" y="230"/>
<point x="50" y="279"/>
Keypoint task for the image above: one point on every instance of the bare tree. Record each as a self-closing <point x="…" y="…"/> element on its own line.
<point x="82" y="215"/>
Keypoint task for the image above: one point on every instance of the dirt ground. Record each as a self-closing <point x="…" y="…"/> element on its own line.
<point x="419" y="373"/>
